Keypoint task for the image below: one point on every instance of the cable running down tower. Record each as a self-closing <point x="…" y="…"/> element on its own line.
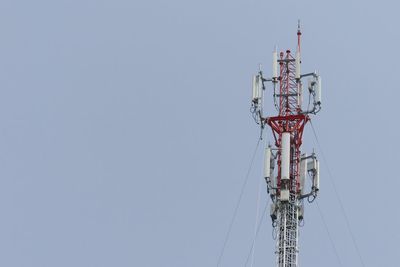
<point x="287" y="183"/>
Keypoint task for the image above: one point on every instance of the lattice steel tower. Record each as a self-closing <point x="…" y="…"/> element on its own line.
<point x="287" y="183"/>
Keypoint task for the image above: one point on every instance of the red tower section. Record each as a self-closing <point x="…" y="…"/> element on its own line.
<point x="291" y="118"/>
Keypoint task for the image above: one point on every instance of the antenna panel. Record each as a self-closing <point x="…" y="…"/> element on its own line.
<point x="318" y="91"/>
<point x="267" y="163"/>
<point x="256" y="88"/>
<point x="316" y="176"/>
<point x="285" y="156"/>
<point x="274" y="64"/>
<point x="303" y="172"/>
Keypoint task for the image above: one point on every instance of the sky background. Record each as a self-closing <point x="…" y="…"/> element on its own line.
<point x="125" y="131"/>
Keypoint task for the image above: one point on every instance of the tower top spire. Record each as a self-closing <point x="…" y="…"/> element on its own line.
<point x="298" y="35"/>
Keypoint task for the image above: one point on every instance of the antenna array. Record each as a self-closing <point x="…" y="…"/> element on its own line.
<point x="285" y="167"/>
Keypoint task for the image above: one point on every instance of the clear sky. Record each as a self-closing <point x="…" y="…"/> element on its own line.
<point x="125" y="131"/>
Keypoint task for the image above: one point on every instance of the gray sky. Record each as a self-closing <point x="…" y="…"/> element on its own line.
<point x="125" y="132"/>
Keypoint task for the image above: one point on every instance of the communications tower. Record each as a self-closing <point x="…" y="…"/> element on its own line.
<point x="296" y="176"/>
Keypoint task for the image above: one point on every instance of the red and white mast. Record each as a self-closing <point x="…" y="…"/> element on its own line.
<point x="286" y="184"/>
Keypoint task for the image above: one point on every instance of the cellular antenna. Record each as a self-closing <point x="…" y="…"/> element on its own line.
<point x="287" y="184"/>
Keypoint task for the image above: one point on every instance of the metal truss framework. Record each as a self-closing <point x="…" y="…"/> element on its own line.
<point x="290" y="120"/>
<point x="286" y="186"/>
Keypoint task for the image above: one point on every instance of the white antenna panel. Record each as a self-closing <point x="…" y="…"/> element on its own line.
<point x="267" y="162"/>
<point x="303" y="172"/>
<point x="256" y="87"/>
<point x="285" y="156"/>
<point x="316" y="176"/>
<point x="275" y="64"/>
<point x="318" y="91"/>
